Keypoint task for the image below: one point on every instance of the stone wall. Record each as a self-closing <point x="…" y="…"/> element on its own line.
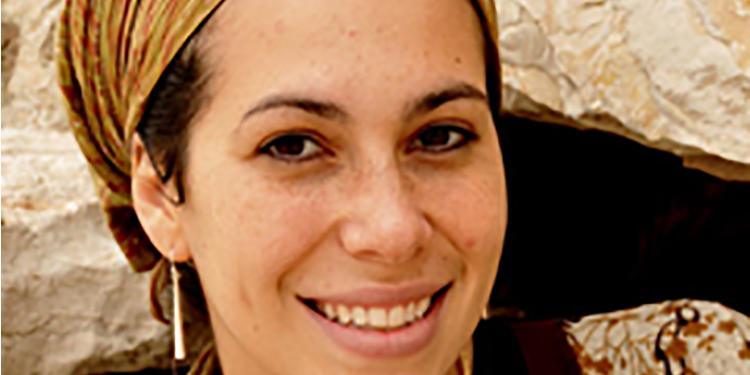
<point x="672" y="74"/>
<point x="70" y="302"/>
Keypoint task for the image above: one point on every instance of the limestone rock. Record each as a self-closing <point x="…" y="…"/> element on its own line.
<point x="671" y="74"/>
<point x="70" y="302"/>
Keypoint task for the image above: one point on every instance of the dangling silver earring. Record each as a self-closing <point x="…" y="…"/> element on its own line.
<point x="179" y="336"/>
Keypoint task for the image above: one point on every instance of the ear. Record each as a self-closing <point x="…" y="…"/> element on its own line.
<point x="153" y="205"/>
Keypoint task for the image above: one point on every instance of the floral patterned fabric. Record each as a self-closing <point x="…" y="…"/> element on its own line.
<point x="675" y="337"/>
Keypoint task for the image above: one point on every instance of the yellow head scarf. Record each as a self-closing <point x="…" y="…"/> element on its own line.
<point x="111" y="53"/>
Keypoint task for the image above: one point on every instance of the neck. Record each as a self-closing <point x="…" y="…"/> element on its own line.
<point x="464" y="363"/>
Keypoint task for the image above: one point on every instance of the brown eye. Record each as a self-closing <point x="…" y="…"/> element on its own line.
<point x="442" y="138"/>
<point x="292" y="148"/>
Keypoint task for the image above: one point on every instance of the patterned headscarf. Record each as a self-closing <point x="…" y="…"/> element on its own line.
<point x="111" y="54"/>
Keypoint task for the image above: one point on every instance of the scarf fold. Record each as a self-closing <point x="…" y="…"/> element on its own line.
<point x="111" y="53"/>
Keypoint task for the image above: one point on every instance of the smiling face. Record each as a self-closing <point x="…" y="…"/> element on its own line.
<point x="345" y="189"/>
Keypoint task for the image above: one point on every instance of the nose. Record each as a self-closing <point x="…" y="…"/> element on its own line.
<point x="383" y="223"/>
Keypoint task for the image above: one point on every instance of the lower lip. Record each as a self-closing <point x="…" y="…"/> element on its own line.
<point x="380" y="344"/>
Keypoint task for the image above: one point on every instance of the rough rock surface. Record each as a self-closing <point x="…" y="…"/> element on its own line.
<point x="672" y="74"/>
<point x="71" y="304"/>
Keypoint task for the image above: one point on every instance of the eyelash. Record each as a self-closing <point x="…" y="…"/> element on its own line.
<point x="466" y="137"/>
<point x="271" y="148"/>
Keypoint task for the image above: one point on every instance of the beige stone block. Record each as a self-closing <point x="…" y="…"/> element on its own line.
<point x="673" y="75"/>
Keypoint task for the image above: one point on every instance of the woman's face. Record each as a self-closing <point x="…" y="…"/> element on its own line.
<point x="346" y="164"/>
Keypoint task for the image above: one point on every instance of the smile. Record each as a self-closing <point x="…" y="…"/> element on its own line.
<point x="379" y="323"/>
<point x="382" y="318"/>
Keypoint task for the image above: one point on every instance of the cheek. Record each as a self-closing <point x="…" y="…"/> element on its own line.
<point x="470" y="209"/>
<point x="261" y="229"/>
<point x="288" y="230"/>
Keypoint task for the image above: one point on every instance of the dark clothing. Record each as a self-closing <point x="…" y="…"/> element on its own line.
<point x="523" y="348"/>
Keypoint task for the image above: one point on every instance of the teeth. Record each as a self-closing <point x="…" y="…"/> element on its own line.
<point x="359" y="315"/>
<point x="409" y="313"/>
<point x="343" y="313"/>
<point x="422" y="307"/>
<point x="376" y="317"/>
<point x="396" y="317"/>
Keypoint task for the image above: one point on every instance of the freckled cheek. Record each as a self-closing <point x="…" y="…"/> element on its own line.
<point x="471" y="214"/>
<point x="272" y="233"/>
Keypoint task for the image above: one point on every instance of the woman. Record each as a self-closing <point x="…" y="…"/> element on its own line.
<point x="333" y="172"/>
<point x="332" y="169"/>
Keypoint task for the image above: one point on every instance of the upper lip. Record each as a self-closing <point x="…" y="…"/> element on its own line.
<point x="382" y="295"/>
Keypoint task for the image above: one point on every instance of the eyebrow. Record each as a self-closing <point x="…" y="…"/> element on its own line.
<point x="330" y="110"/>
<point x="319" y="108"/>
<point x="435" y="99"/>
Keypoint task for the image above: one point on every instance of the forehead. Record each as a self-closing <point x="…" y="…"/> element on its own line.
<point x="341" y="45"/>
